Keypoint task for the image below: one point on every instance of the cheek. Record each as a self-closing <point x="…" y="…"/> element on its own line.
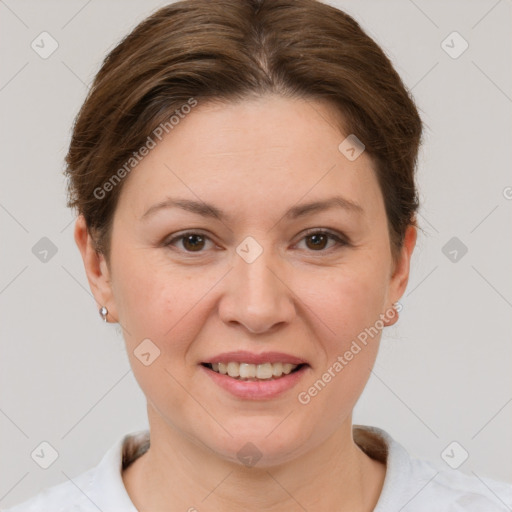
<point x="347" y="307"/>
<point x="159" y="302"/>
<point x="144" y="300"/>
<point x="155" y="308"/>
<point x="346" y="301"/>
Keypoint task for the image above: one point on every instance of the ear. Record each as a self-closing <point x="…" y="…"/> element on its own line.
<point x="400" y="273"/>
<point x="96" y="268"/>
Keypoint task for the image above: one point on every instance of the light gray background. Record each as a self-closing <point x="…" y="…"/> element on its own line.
<point x="443" y="372"/>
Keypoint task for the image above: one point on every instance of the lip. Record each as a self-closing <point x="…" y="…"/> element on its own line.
<point x="256" y="390"/>
<point x="243" y="356"/>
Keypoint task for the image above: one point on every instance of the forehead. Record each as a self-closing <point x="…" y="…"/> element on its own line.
<point x="268" y="152"/>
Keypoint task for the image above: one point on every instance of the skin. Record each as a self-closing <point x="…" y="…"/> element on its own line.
<point x="254" y="160"/>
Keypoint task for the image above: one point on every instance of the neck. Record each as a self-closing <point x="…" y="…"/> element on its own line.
<point x="177" y="474"/>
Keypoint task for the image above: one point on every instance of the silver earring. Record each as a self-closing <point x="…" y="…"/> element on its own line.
<point x="104" y="313"/>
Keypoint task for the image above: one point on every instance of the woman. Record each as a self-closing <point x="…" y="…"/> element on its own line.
<point x="243" y="172"/>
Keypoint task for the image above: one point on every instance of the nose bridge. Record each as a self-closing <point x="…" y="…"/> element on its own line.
<point x="256" y="298"/>
<point x="260" y="282"/>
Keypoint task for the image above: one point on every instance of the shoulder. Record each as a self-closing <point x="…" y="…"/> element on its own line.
<point x="99" y="488"/>
<point x="414" y="485"/>
<point x="66" y="496"/>
<point x="455" y="491"/>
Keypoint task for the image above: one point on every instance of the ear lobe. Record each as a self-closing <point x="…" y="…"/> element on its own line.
<point x="95" y="266"/>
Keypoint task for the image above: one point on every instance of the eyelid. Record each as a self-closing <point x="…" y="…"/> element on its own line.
<point x="340" y="239"/>
<point x="180" y="236"/>
<point x="325" y="231"/>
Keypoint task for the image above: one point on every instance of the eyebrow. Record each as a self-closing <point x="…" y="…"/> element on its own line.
<point x="208" y="210"/>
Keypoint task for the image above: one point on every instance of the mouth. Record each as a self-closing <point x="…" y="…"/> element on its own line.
<point x="250" y="372"/>
<point x="252" y="376"/>
<point x="264" y="385"/>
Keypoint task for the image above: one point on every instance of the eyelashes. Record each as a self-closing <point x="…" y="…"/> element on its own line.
<point x="194" y="242"/>
<point x="328" y="235"/>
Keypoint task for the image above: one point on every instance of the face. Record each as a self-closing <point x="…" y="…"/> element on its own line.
<point x="227" y="238"/>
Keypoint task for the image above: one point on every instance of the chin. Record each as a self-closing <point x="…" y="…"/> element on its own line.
<point x="260" y="442"/>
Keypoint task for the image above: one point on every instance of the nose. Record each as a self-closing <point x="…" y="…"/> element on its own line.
<point x="256" y="296"/>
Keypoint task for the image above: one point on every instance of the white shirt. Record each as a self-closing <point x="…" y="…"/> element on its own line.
<point x="410" y="485"/>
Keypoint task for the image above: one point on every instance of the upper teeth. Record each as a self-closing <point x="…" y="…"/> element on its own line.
<point x="259" y="371"/>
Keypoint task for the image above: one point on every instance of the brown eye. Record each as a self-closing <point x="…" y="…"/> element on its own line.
<point x="193" y="242"/>
<point x="318" y="241"/>
<point x="189" y="242"/>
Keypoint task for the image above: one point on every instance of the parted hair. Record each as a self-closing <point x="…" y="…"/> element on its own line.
<point x="229" y="50"/>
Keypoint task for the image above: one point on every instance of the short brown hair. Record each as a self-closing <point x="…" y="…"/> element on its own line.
<point x="228" y="50"/>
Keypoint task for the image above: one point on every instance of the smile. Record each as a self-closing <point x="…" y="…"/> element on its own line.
<point x="253" y="372"/>
<point x="266" y="387"/>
